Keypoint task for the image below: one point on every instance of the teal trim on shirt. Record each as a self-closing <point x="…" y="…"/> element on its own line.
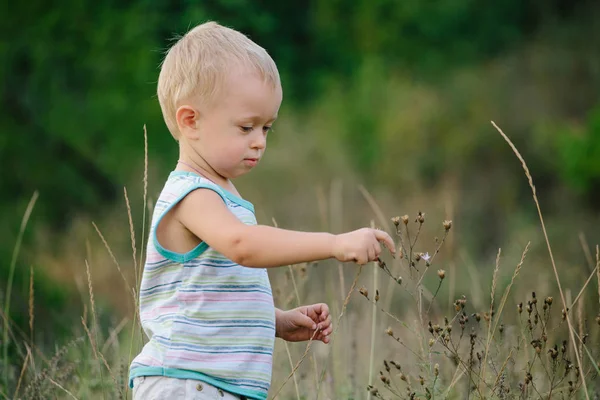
<point x="196" y="251"/>
<point x="236" y="199"/>
<point x="184" y="374"/>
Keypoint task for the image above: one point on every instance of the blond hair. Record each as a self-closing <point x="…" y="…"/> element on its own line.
<point x="197" y="63"/>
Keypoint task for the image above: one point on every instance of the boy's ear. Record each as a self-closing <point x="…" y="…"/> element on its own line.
<point x="187" y="121"/>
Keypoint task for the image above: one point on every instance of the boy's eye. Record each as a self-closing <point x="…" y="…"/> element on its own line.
<point x="267" y="128"/>
<point x="246" y="129"/>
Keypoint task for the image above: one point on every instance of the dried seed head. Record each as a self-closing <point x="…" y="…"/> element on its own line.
<point x="421" y="380"/>
<point x="420" y="217"/>
<point x="553" y="352"/>
<point x="549" y="300"/>
<point x="447" y="225"/>
<point x="396" y="221"/>
<point x="403" y="377"/>
<point x="418" y="256"/>
<point x="520" y="308"/>
<point x="436" y="369"/>
<point x="477" y="317"/>
<point x="400" y="253"/>
<point x="399" y="280"/>
<point x="405" y="219"/>
<point x="501" y="329"/>
<point x="387" y="367"/>
<point x="396" y="365"/>
<point x="303" y="270"/>
<point x="441" y="274"/>
<point x="598" y="319"/>
<point x="376" y="295"/>
<point x="389" y="332"/>
<point x="431" y="342"/>
<point x="533" y="295"/>
<point x="383" y="378"/>
<point x="364" y="292"/>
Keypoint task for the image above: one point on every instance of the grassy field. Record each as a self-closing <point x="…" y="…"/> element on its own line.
<point x="427" y="324"/>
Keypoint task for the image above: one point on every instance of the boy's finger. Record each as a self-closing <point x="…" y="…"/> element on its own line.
<point x="321" y="308"/>
<point x="325" y="324"/>
<point x="386" y="239"/>
<point x="306" y="322"/>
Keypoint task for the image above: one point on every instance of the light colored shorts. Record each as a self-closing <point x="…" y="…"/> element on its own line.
<point x="163" y="387"/>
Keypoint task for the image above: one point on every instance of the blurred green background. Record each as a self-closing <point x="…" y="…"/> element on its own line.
<point x="394" y="95"/>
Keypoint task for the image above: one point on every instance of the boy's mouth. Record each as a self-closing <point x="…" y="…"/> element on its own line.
<point x="251" y="161"/>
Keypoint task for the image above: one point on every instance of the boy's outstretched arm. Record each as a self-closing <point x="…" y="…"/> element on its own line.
<point x="204" y="213"/>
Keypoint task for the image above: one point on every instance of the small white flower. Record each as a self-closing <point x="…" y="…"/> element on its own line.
<point x="426" y="256"/>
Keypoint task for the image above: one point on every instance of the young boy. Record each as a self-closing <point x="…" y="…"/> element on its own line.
<point x="205" y="298"/>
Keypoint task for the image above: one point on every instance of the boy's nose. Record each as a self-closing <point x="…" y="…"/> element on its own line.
<point x="259" y="142"/>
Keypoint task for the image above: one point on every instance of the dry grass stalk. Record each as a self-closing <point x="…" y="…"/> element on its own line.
<point x="587" y="282"/>
<point x="22" y="374"/>
<point x="112" y="256"/>
<point x="97" y="352"/>
<point x="114" y="335"/>
<point x="598" y="269"/>
<point x="132" y="235"/>
<point x="586" y="250"/>
<point x="298" y="363"/>
<point x="373" y="322"/>
<point x="562" y="295"/>
<point x="11" y="273"/>
<point x="145" y="195"/>
<point x="383" y="221"/>
<point x="490" y="332"/>
<point x="287" y="349"/>
<point x="91" y="292"/>
<point x="337" y="324"/>
<point x="31" y="304"/>
<point x="60" y="387"/>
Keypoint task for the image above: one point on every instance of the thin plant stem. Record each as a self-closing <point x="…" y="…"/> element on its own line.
<point x="337" y="324"/>
<point x="287" y="349"/>
<point x="373" y="328"/>
<point x="502" y="303"/>
<point x="11" y="273"/>
<point x="562" y="295"/>
<point x="310" y="342"/>
<point x="489" y="332"/>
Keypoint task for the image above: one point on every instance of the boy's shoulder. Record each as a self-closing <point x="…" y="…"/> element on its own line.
<point x="180" y="183"/>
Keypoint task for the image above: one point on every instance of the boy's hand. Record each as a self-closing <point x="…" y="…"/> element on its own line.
<point x="361" y="246"/>
<point x="299" y="324"/>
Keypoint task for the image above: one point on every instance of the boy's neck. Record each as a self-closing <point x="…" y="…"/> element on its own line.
<point x="184" y="164"/>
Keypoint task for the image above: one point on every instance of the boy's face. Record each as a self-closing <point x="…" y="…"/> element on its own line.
<point x="231" y="134"/>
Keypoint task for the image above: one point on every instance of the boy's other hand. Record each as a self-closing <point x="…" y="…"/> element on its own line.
<point x="299" y="324"/>
<point x="362" y="246"/>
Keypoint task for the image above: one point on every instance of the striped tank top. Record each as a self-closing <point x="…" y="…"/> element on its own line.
<point x="206" y="317"/>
